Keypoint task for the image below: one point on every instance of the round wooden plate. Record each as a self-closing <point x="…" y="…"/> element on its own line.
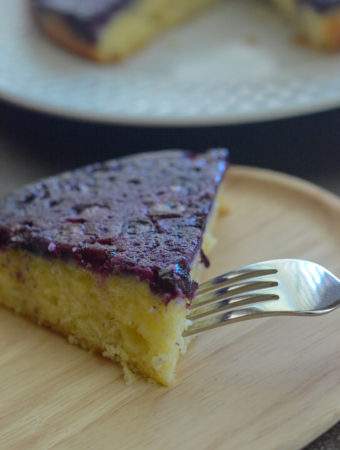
<point x="263" y="384"/>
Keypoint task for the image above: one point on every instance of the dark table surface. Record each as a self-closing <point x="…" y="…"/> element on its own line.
<point x="33" y="145"/>
<point x="307" y="146"/>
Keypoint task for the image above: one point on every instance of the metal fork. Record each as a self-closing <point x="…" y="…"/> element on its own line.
<point x="270" y="288"/>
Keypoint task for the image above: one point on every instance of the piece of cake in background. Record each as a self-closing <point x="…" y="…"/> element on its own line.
<point x="110" y="254"/>
<point x="109" y="30"/>
<point x="317" y="21"/>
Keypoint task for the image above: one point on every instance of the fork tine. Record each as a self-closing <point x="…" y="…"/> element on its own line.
<point x="303" y="288"/>
<point x="224" y="318"/>
<point x="258" y="310"/>
<point x="232" y="277"/>
<point x="229" y="303"/>
<point x="231" y="291"/>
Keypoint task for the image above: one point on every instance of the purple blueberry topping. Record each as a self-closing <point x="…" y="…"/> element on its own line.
<point x="97" y="217"/>
<point x="85" y="17"/>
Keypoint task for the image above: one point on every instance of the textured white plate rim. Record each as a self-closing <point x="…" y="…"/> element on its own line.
<point x="171" y="120"/>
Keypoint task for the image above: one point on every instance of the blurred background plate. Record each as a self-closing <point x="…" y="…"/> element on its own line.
<point x="236" y="64"/>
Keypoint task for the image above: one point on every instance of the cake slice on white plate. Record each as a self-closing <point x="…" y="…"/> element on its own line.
<point x="110" y="30"/>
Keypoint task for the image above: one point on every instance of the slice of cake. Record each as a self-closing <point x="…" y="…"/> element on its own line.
<point x="109" y="254"/>
<point x="318" y="21"/>
<point x="109" y="30"/>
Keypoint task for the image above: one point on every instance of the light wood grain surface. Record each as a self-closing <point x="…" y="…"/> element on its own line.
<point x="265" y="384"/>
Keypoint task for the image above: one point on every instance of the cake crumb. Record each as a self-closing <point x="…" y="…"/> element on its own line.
<point x="129" y="376"/>
<point x="72" y="340"/>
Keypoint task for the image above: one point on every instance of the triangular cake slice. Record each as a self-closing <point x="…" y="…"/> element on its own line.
<point x="109" y="30"/>
<point x="109" y="254"/>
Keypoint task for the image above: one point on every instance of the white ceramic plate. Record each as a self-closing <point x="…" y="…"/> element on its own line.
<point x="235" y="64"/>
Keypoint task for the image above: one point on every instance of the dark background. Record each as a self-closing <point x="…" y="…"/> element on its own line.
<point x="307" y="146"/>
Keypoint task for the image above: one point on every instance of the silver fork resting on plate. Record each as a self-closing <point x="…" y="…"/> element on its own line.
<point x="270" y="288"/>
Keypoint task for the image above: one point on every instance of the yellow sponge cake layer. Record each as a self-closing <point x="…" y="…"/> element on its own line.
<point x="115" y="315"/>
<point x="140" y="25"/>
